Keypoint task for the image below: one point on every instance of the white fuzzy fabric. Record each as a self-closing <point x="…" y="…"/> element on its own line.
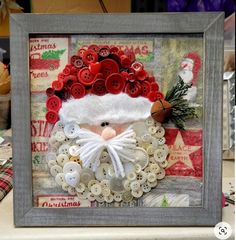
<point x="94" y="110"/>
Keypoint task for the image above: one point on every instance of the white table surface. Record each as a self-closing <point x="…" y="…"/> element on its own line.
<point x="9" y="232"/>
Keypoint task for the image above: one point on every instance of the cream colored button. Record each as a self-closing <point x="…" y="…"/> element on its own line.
<point x="77" y="160"/>
<point x="147" y="170"/>
<point x="126" y="184"/>
<point x="150" y="150"/>
<point x="157" y="124"/>
<point x="104" y="156"/>
<point x="164" y="147"/>
<point x="99" y="198"/>
<point x="62" y="159"/>
<point x="154" y="168"/>
<point x="102" y="171"/>
<point x="53" y="142"/>
<point x="106" y="192"/>
<point x="51" y="163"/>
<point x="151" y="177"/>
<point x="60" y="179"/>
<point x="65" y="186"/>
<point x="131" y="176"/>
<point x="152" y="184"/>
<point x="96" y="189"/>
<point x="141" y="177"/>
<point x="86" y="175"/>
<point x="160" y="155"/>
<point x="64" y="148"/>
<point x="161" y="174"/>
<point x="152" y="130"/>
<point x="135" y="185"/>
<point x="105" y="183"/>
<point x="160" y="132"/>
<point x="54" y="170"/>
<point x="116" y="185"/>
<point x="117" y="197"/>
<point x="84" y="194"/>
<point x="74" y="151"/>
<point x="149" y="121"/>
<point x="72" y="178"/>
<point x="164" y="164"/>
<point x="152" y="160"/>
<point x="161" y="141"/>
<point x="71" y="167"/>
<point x="92" y="182"/>
<point x="138" y="193"/>
<point x="91" y="197"/>
<point x="146" y="138"/>
<point x="80" y="187"/>
<point x="141" y="157"/>
<point x="71" y="130"/>
<point x="60" y="136"/>
<point x="128" y="167"/>
<point x="109" y="198"/>
<point x="127" y="196"/>
<point x="139" y="128"/>
<point x="71" y="190"/>
<point x="111" y="172"/>
<point x="146" y="188"/>
<point x="138" y="168"/>
<point x="51" y="156"/>
<point x="58" y="126"/>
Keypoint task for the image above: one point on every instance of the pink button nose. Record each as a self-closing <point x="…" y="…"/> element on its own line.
<point x="108" y="133"/>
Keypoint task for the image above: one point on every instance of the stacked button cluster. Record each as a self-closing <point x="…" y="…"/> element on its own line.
<point x="100" y="70"/>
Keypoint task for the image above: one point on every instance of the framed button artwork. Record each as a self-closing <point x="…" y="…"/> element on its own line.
<point x="117" y="119"/>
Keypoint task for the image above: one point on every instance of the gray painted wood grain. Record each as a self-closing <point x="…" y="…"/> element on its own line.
<point x="209" y="24"/>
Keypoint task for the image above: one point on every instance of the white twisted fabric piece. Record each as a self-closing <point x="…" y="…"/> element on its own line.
<point x="119" y="147"/>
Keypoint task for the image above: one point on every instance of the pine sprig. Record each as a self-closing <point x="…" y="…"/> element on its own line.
<point x="181" y="111"/>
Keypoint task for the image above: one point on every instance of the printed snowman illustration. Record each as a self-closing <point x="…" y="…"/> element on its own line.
<point x="189" y="70"/>
<point x="105" y="146"/>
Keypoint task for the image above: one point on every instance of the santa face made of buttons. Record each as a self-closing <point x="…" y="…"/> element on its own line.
<point x="105" y="146"/>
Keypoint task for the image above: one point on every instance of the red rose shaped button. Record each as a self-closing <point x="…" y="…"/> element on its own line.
<point x="115" y="83"/>
<point x="133" y="89"/>
<point x="99" y="87"/>
<point x="53" y="103"/>
<point x="109" y="66"/>
<point x="77" y="90"/>
<point x="51" y="117"/>
<point x="85" y="76"/>
<point x="89" y="56"/>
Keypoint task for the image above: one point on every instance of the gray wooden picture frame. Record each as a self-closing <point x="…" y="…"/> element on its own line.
<point x="208" y="24"/>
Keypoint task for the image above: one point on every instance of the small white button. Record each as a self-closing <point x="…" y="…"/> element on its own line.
<point x="86" y="175"/>
<point x="71" y="190"/>
<point x="72" y="178"/>
<point x="74" y="151"/>
<point x="96" y="189"/>
<point x="116" y="185"/>
<point x="131" y="176"/>
<point x="51" y="156"/>
<point x="152" y="130"/>
<point x="161" y="174"/>
<point x="65" y="186"/>
<point x="71" y="167"/>
<point x="72" y="130"/>
<point x="84" y="194"/>
<point x="117" y="197"/>
<point x="161" y="141"/>
<point x="80" y="187"/>
<point x="126" y="184"/>
<point x="58" y="126"/>
<point x="164" y="164"/>
<point x="141" y="177"/>
<point x="54" y="170"/>
<point x="141" y="157"/>
<point x="51" y="163"/>
<point x="147" y="170"/>
<point x="104" y="156"/>
<point x="152" y="184"/>
<point x="147" y="138"/>
<point x="127" y="196"/>
<point x="91" y="197"/>
<point x="164" y="147"/>
<point x="152" y="160"/>
<point x="60" y="136"/>
<point x="109" y="198"/>
<point x="151" y="177"/>
<point x="138" y="168"/>
<point x="154" y="168"/>
<point x="99" y="198"/>
<point x="53" y="142"/>
<point x="146" y="188"/>
<point x="102" y="171"/>
<point x="149" y="121"/>
<point x="150" y="150"/>
<point x="160" y="155"/>
<point x="60" y="178"/>
<point x="64" y="148"/>
<point x="106" y="192"/>
<point x="135" y="185"/>
<point x="160" y="132"/>
<point x="62" y="159"/>
<point x="92" y="182"/>
<point x="105" y="183"/>
<point x="138" y="193"/>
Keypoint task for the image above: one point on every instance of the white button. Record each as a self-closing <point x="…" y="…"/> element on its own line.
<point x="108" y="198"/>
<point x="106" y="191"/>
<point x="161" y="141"/>
<point x="151" y="177"/>
<point x="164" y="164"/>
<point x="71" y="190"/>
<point x="141" y="177"/>
<point x="104" y="156"/>
<point x="102" y="171"/>
<point x="60" y="136"/>
<point x="51" y="163"/>
<point x="58" y="126"/>
<point x="54" y="170"/>
<point x="146" y="138"/>
<point x="138" y="168"/>
<point x="117" y="197"/>
<point x="116" y="185"/>
<point x="80" y="187"/>
<point x="92" y="182"/>
<point x="65" y="186"/>
<point x="72" y="130"/>
<point x="150" y="150"/>
<point x="160" y="155"/>
<point x="146" y="188"/>
<point x="84" y="194"/>
<point x="74" y="151"/>
<point x="160" y="132"/>
<point x="152" y="130"/>
<point x="86" y="175"/>
<point x="152" y="160"/>
<point x="96" y="189"/>
<point x="157" y="124"/>
<point x="141" y="157"/>
<point x="105" y="183"/>
<point x="147" y="170"/>
<point x="60" y="178"/>
<point x="155" y="143"/>
<point x="128" y="167"/>
<point x="152" y="184"/>
<point x="138" y="193"/>
<point x="131" y="176"/>
<point x="51" y="156"/>
<point x="127" y="196"/>
<point x="71" y="167"/>
<point x="161" y="174"/>
<point x="149" y="121"/>
<point x="126" y="184"/>
<point x="154" y="168"/>
<point x="91" y="197"/>
<point x="64" y="148"/>
<point x="99" y="198"/>
<point x="62" y="159"/>
<point x="164" y="147"/>
<point x="72" y="178"/>
<point x="135" y="185"/>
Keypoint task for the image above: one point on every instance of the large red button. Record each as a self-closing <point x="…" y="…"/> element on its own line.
<point x="146" y="88"/>
<point x="77" y="90"/>
<point x="51" y="117"/>
<point x="130" y="55"/>
<point x="89" y="56"/>
<point x="85" y="76"/>
<point x="115" y="83"/>
<point x="99" y="87"/>
<point x="133" y="89"/>
<point x="94" y="47"/>
<point x="57" y="85"/>
<point x="53" y="103"/>
<point x="109" y="66"/>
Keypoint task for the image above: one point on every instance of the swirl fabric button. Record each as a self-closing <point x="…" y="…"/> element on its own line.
<point x="116" y="185"/>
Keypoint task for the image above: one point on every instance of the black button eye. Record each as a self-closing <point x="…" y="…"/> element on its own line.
<point x="107" y="123"/>
<point x="103" y="124"/>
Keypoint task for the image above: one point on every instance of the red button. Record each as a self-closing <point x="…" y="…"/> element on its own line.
<point x="137" y="66"/>
<point x="57" y="85"/>
<point x="85" y="76"/>
<point x="81" y="52"/>
<point x="141" y="75"/>
<point x="66" y="71"/>
<point x="73" y="70"/>
<point x="51" y="117"/>
<point x="146" y="88"/>
<point x="53" y="103"/>
<point x="109" y="66"/>
<point x="78" y="63"/>
<point x="114" y="50"/>
<point x="125" y="61"/>
<point x="94" y="47"/>
<point x="99" y="87"/>
<point x="77" y="90"/>
<point x="151" y="79"/>
<point x="50" y="92"/>
<point x="115" y="83"/>
<point x="73" y="58"/>
<point x="89" y="56"/>
<point x="69" y="80"/>
<point x="154" y="86"/>
<point x="133" y="89"/>
<point x="152" y="96"/>
<point x="63" y="94"/>
<point x="98" y="76"/>
<point x="61" y="76"/>
<point x="104" y="52"/>
<point x="160" y="95"/>
<point x="130" y="55"/>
